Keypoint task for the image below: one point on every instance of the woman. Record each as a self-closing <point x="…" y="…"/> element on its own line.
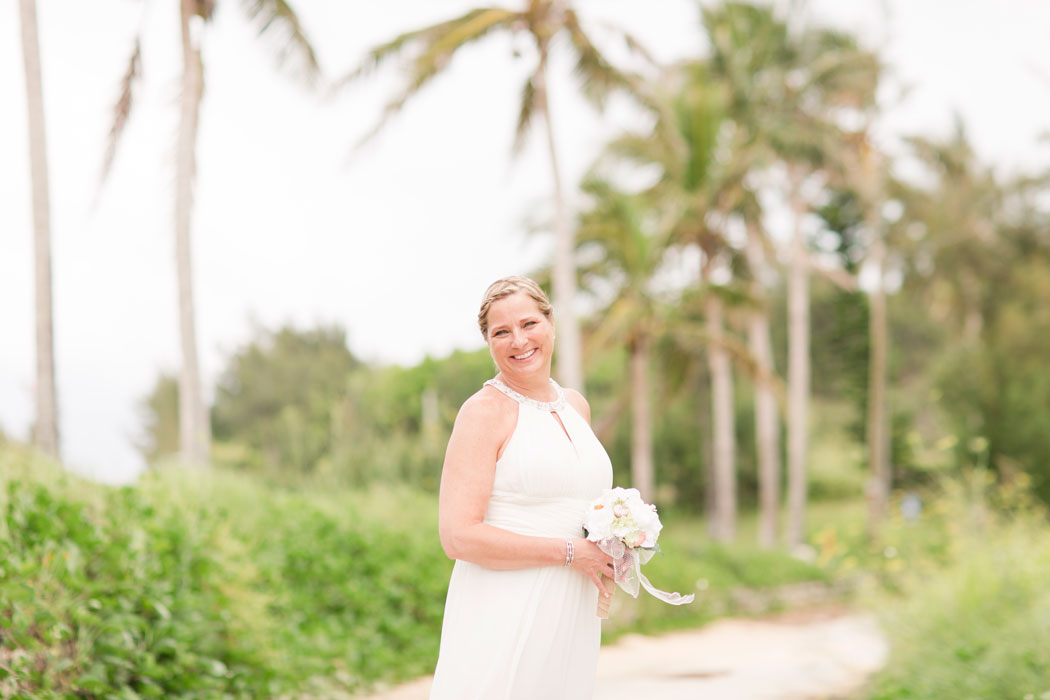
<point x="520" y="468"/>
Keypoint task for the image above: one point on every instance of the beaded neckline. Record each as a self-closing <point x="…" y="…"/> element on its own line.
<point x="557" y="404"/>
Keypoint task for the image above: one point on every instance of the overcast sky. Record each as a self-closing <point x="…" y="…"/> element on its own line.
<point x="397" y="241"/>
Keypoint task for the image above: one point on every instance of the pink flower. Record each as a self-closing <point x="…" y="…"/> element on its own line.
<point x="634" y="539"/>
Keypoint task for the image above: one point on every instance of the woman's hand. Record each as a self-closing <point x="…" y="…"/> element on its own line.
<point x="592" y="562"/>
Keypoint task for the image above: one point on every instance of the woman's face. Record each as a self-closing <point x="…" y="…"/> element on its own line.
<point x="521" y="339"/>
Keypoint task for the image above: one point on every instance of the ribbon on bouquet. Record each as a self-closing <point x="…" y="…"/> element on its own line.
<point x="627" y="566"/>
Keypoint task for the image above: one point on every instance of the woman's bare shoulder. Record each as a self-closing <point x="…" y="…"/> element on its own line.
<point x="487" y="409"/>
<point x="577" y="401"/>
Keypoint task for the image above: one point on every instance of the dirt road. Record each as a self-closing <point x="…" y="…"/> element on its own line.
<point x="801" y="656"/>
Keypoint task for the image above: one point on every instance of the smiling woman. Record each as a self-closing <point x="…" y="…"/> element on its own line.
<point x="521" y="339"/>
<point x="521" y="466"/>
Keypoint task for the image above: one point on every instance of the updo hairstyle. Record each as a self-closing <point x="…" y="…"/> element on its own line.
<point x="502" y="288"/>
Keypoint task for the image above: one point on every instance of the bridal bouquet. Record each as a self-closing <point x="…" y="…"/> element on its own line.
<point x="626" y="528"/>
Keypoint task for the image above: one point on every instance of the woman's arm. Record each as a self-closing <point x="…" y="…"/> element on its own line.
<point x="484" y="423"/>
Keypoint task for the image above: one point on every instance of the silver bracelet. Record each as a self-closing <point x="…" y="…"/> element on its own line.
<point x="568" y="552"/>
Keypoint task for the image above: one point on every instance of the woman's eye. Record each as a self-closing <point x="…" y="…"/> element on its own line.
<point x="499" y="333"/>
<point x="530" y="323"/>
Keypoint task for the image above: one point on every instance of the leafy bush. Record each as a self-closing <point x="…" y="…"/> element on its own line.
<point x="126" y="602"/>
<point x="970" y="618"/>
<point x="210" y="585"/>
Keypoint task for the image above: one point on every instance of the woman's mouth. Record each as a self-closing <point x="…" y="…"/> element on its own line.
<point x="525" y="356"/>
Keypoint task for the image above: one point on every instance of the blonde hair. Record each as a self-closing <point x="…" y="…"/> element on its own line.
<point x="502" y="288"/>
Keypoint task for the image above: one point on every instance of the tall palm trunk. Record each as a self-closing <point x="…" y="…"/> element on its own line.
<point x="798" y="368"/>
<point x="723" y="423"/>
<point x="705" y="444"/>
<point x="767" y="419"/>
<point x="878" y="434"/>
<point x="570" y="350"/>
<point x="46" y="428"/>
<point x="641" y="420"/>
<point x="194" y="426"/>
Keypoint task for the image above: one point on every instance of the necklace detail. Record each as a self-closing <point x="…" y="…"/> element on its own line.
<point x="557" y="404"/>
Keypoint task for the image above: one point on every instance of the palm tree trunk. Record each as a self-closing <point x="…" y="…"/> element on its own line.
<point x="878" y="435"/>
<point x="570" y="345"/>
<point x="45" y="431"/>
<point x="723" y="423"/>
<point x="194" y="426"/>
<point x="641" y="420"/>
<point x="767" y="419"/>
<point x="707" y="455"/>
<point x="798" y="369"/>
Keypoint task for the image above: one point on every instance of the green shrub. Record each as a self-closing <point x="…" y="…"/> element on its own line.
<point x="211" y="584"/>
<point x="972" y="621"/>
<point x="128" y="603"/>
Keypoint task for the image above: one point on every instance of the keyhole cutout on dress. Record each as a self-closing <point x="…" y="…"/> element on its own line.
<point x="563" y="428"/>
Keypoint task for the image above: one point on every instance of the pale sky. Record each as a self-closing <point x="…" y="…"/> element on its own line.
<point x="397" y="241"/>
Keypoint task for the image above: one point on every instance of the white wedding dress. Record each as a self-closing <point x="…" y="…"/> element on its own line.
<point x="529" y="634"/>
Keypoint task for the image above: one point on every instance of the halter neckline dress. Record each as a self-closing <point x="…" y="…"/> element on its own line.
<point x="529" y="634"/>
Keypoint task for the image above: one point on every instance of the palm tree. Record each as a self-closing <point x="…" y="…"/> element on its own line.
<point x="785" y="89"/>
<point x="870" y="171"/>
<point x="272" y="16"/>
<point x="625" y="256"/>
<point x="723" y="421"/>
<point x="960" y="216"/>
<point x="697" y="189"/>
<point x="542" y="22"/>
<point x="767" y="411"/>
<point x="45" y="431"/>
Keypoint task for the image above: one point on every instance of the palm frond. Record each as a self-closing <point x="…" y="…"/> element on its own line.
<point x="642" y="150"/>
<point x="525" y="113"/>
<point x="122" y="109"/>
<point x="689" y="335"/>
<point x="436" y="46"/>
<point x="420" y="38"/>
<point x="277" y="18"/>
<point x="635" y="46"/>
<point x="597" y="75"/>
<point x="468" y="31"/>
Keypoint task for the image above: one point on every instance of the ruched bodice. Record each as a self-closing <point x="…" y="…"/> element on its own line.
<point x="526" y="634"/>
<point x="543" y="516"/>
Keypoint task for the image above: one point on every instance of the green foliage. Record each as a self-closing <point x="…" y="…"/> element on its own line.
<point x="277" y="394"/>
<point x="977" y="257"/>
<point x="296" y="404"/>
<point x="840" y="349"/>
<point x="971" y="621"/>
<point x="160" y="413"/>
<point x="399" y="419"/>
<point x="209" y="585"/>
<point x="128" y="602"/>
<point x="364" y="600"/>
<point x="996" y="391"/>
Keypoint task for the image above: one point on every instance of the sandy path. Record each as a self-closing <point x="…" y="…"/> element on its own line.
<point x="796" y="657"/>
